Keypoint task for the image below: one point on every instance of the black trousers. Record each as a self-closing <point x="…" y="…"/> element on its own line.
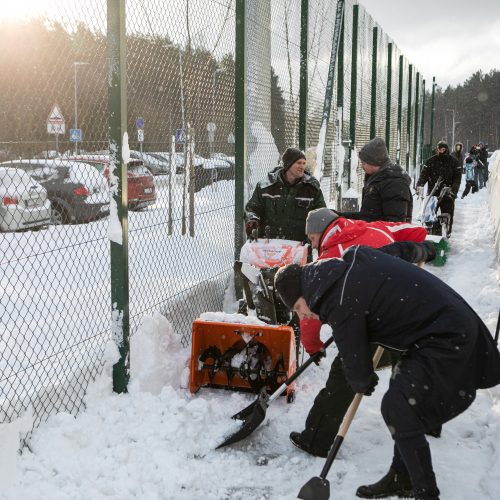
<point x="468" y="186"/>
<point x="447" y="206"/>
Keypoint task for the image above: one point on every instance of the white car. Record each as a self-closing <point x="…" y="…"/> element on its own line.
<point x="23" y="201"/>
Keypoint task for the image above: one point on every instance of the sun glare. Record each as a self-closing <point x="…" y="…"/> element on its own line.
<point x="18" y="10"/>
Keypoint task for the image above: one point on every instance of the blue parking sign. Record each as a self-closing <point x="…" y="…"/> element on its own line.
<point x="180" y="136"/>
<point x="75" y="135"/>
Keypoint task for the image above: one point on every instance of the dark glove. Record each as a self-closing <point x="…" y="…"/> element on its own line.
<point x="319" y="355"/>
<point x="429" y="250"/>
<point x="251" y="225"/>
<point x="370" y="387"/>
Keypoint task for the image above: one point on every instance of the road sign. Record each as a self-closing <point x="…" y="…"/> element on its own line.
<point x="55" y="121"/>
<point x="140" y="135"/>
<point x="75" y="135"/>
<point x="56" y="128"/>
<point x="139" y="123"/>
<point x="180" y="136"/>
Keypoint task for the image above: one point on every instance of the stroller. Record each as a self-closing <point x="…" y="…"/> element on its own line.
<point x="436" y="222"/>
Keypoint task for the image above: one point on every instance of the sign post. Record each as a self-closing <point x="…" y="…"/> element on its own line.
<point x="211" y="128"/>
<point x="56" y="124"/>
<point x="139" y="123"/>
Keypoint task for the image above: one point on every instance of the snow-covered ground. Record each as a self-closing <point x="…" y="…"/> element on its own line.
<point x="160" y="444"/>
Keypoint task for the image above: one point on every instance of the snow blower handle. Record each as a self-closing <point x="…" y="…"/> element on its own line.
<point x="315" y="357"/>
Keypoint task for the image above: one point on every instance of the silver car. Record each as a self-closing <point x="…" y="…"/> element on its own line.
<point x="23" y="201"/>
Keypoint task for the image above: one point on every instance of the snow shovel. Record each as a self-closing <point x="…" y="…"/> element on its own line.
<point x="318" y="488"/>
<point x="254" y="414"/>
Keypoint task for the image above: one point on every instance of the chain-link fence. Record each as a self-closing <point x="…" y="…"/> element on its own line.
<point x="56" y="179"/>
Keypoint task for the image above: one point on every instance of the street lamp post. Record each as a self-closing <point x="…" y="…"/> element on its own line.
<point x="217" y="70"/>
<point x="75" y="82"/>
<point x="453" y="125"/>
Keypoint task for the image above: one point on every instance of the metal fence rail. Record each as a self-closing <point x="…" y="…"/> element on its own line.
<point x="119" y="241"/>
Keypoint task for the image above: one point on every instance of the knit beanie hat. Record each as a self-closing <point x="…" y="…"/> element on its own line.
<point x="469" y="160"/>
<point x="290" y="156"/>
<point x="288" y="284"/>
<point x="318" y="220"/>
<point x="442" y="144"/>
<point x="375" y="152"/>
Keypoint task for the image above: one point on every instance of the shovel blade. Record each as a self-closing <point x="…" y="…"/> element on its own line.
<point x="315" y="489"/>
<point x="253" y="415"/>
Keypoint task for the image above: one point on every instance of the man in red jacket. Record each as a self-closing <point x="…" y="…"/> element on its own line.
<point x="332" y="235"/>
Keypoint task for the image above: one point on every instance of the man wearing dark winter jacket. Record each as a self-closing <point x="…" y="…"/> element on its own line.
<point x="448" y="352"/>
<point x="386" y="191"/>
<point x="442" y="166"/>
<point x="284" y="199"/>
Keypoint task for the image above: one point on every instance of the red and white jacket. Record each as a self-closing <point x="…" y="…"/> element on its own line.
<point x="344" y="233"/>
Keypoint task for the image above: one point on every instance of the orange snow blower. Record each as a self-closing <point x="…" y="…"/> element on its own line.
<point x="257" y="352"/>
<point x="241" y="356"/>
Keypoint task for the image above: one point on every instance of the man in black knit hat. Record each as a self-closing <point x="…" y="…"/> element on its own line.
<point x="386" y="191"/>
<point x="283" y="200"/>
<point x="449" y="352"/>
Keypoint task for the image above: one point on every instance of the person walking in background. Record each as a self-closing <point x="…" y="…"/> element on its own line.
<point x="369" y="298"/>
<point x="483" y="158"/>
<point x="458" y="153"/>
<point x="470" y="176"/>
<point x="283" y="200"/>
<point x="442" y="166"/>
<point x="386" y="191"/>
<point x="478" y="165"/>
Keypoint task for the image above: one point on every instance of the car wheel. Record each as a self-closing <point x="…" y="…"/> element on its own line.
<point x="58" y="215"/>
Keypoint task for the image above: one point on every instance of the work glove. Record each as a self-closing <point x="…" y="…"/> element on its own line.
<point x="251" y="225"/>
<point x="425" y="251"/>
<point x="370" y="387"/>
<point x="320" y="355"/>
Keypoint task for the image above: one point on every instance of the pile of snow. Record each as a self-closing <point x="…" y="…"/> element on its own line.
<point x="158" y="441"/>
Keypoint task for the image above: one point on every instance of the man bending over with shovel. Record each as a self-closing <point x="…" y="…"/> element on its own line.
<point x="370" y="297"/>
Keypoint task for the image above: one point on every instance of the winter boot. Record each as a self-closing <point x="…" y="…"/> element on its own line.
<point x="393" y="484"/>
<point x="296" y="440"/>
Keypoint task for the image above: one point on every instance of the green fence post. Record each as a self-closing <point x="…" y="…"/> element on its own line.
<point x="408" y="117"/>
<point x="354" y="86"/>
<point x="433" y="109"/>
<point x="400" y="111"/>
<point x="117" y="106"/>
<point x="340" y="109"/>
<point x="389" y="98"/>
<point x="422" y="122"/>
<point x="373" y="107"/>
<point x="240" y="127"/>
<point x="416" y="129"/>
<point x="304" y="82"/>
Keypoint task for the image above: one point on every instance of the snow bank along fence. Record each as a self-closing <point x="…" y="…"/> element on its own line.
<point x="494" y="188"/>
<point x="208" y="94"/>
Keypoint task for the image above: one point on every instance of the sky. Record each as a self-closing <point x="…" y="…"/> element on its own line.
<point x="157" y="442"/>
<point x="448" y="39"/>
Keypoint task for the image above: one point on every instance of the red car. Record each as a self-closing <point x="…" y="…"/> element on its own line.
<point x="141" y="184"/>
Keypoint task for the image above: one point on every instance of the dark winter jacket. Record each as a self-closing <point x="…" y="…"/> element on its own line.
<point x="458" y="153"/>
<point x="284" y="207"/>
<point x="373" y="298"/>
<point x="386" y="196"/>
<point x="444" y="166"/>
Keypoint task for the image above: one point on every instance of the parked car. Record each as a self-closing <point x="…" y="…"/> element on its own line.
<point x="23" y="201"/>
<point x="141" y="184"/>
<point x="154" y="164"/>
<point x="179" y="160"/>
<point x="77" y="192"/>
<point x="223" y="164"/>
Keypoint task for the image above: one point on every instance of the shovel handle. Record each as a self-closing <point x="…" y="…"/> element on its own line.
<point x="353" y="407"/>
<point x="298" y="373"/>
<point x="346" y="422"/>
